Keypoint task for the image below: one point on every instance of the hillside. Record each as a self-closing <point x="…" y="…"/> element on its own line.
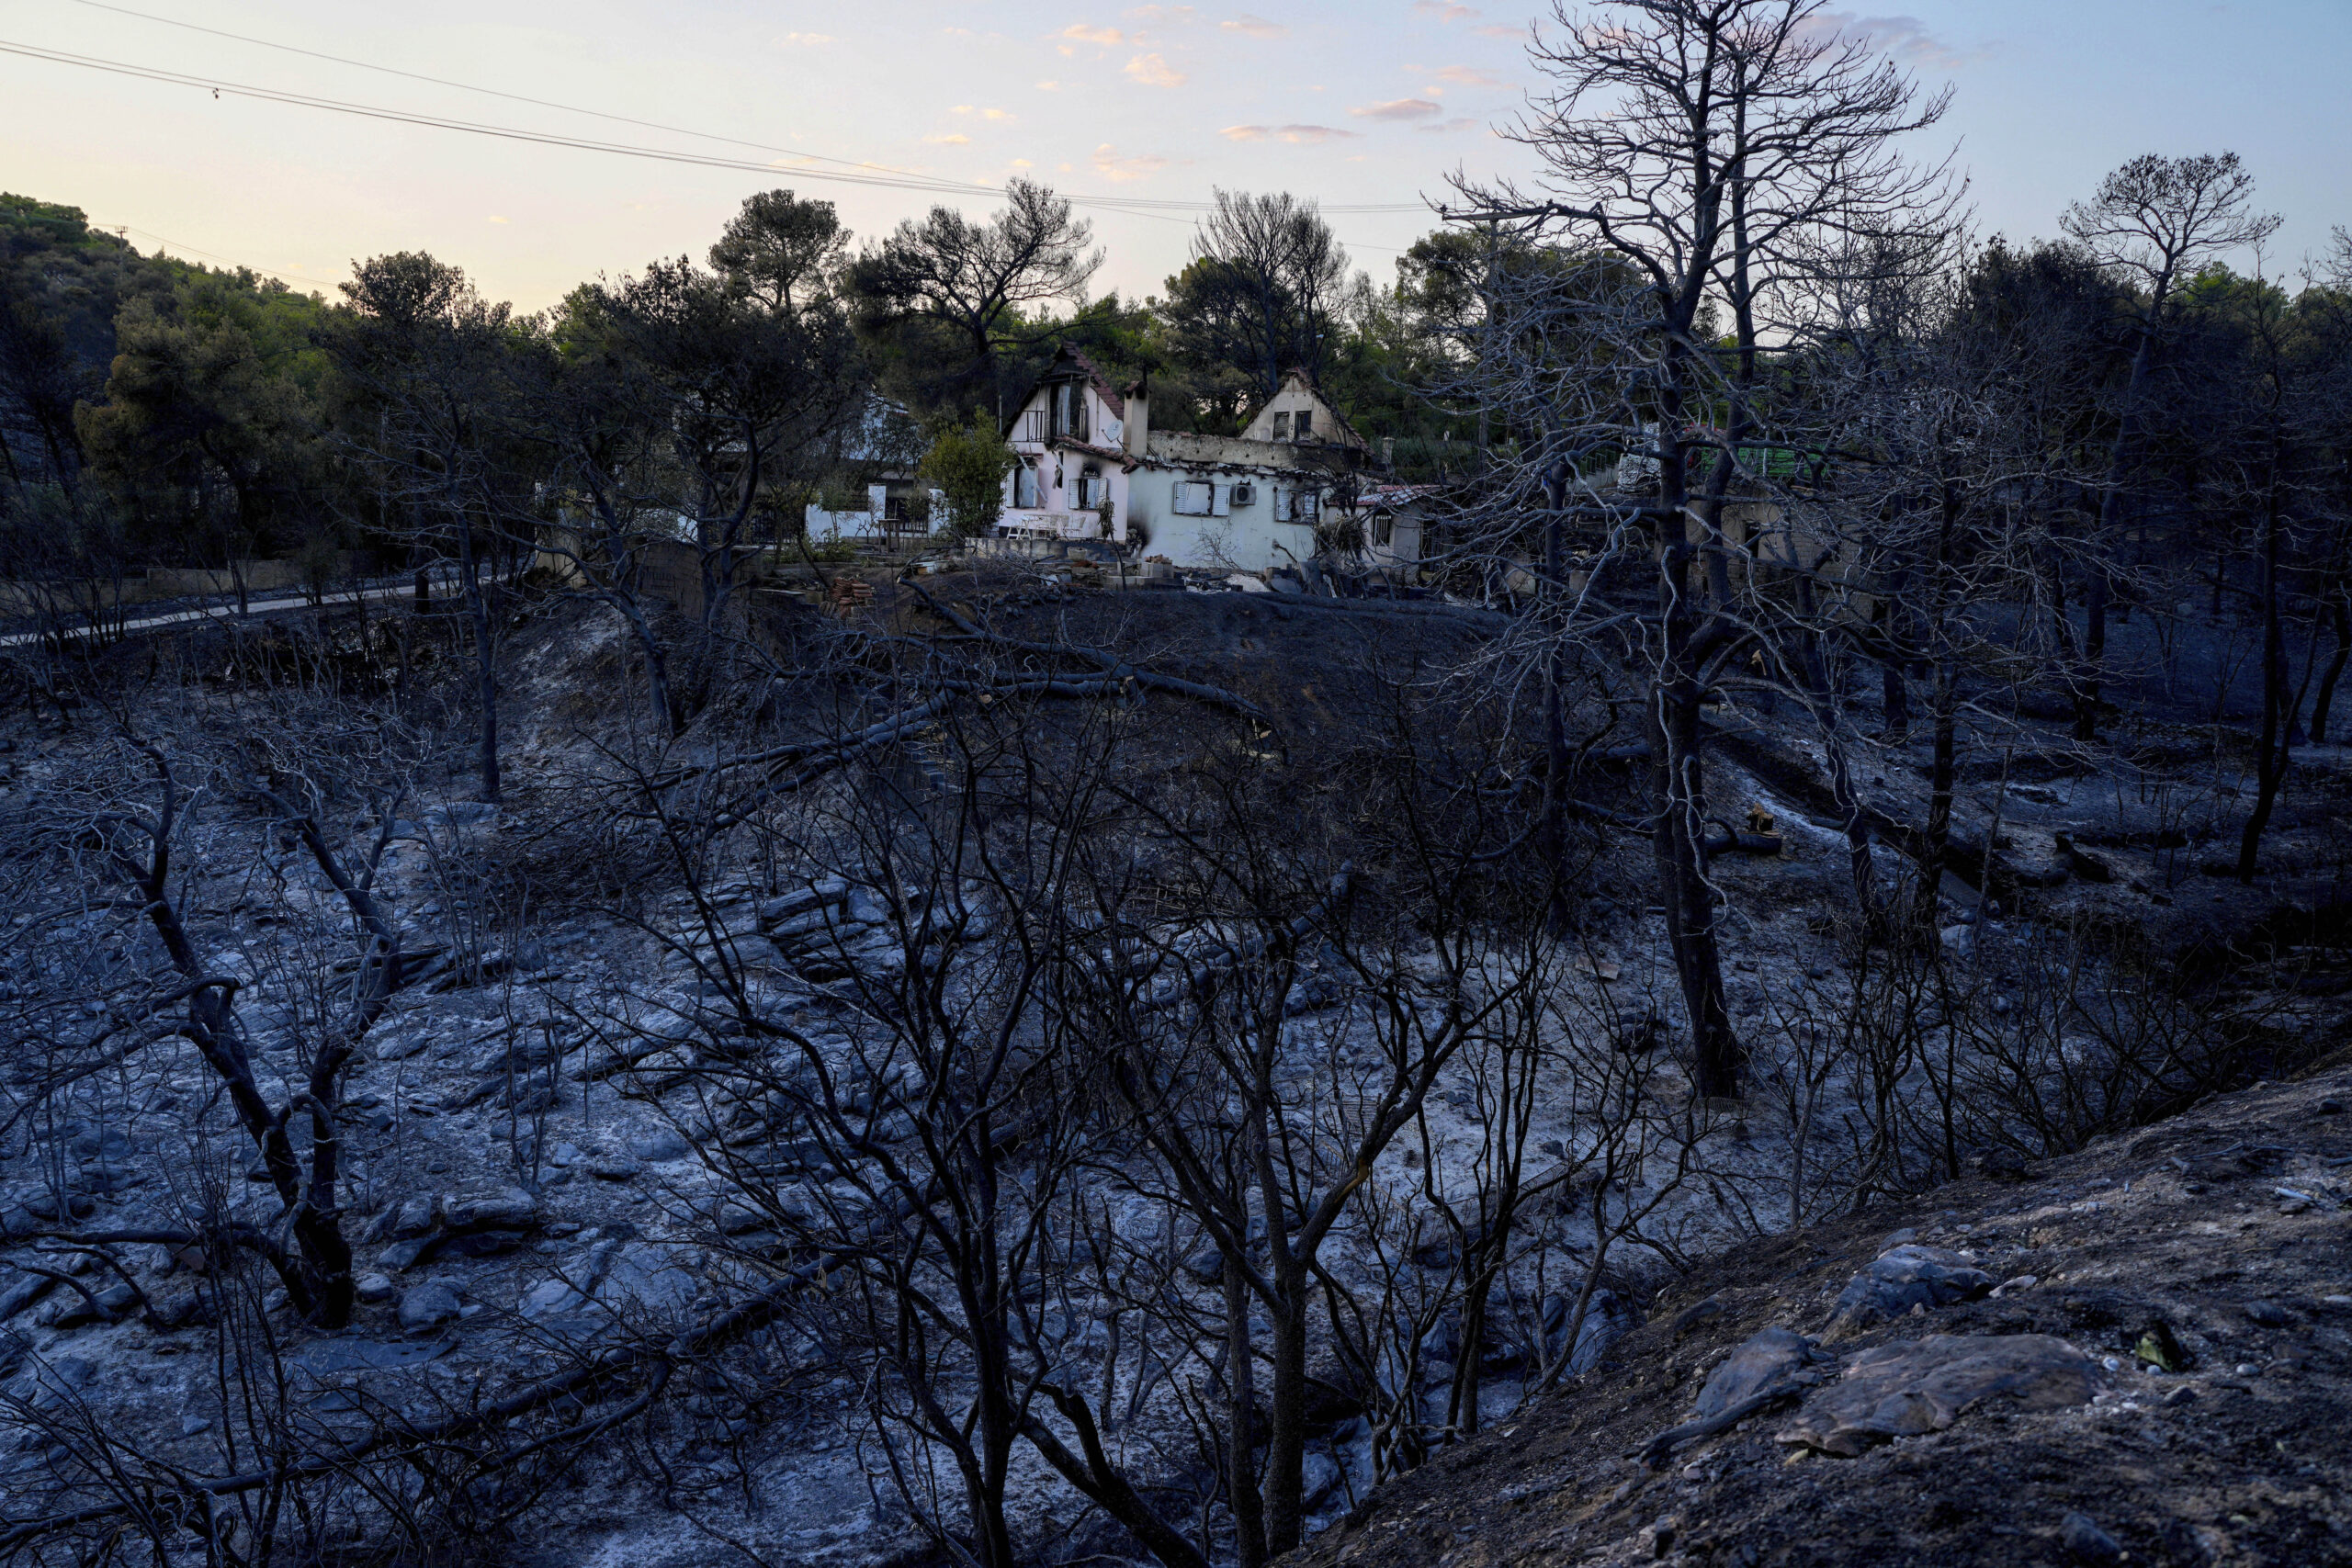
<point x="2215" y="1242"/>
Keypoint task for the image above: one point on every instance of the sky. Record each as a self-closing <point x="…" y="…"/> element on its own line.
<point x="1368" y="106"/>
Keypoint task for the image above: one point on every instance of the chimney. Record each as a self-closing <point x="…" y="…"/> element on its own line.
<point x="1138" y="418"/>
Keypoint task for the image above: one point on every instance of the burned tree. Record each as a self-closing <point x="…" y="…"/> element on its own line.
<point x="2156" y="220"/>
<point x="1703" y="148"/>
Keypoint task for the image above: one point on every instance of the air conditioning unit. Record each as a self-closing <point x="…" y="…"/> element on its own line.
<point x="1245" y="495"/>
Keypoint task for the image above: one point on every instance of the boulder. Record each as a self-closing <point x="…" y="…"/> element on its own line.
<point x="1320" y="1478"/>
<point x="507" y="1209"/>
<point x="22" y="1291"/>
<point x="818" y="893"/>
<point x="643" y="1276"/>
<point x="403" y="1254"/>
<point x="552" y="1298"/>
<point x="175" y="1306"/>
<point x="1924" y="1385"/>
<point x="427" y="1306"/>
<point x="1904" y="1277"/>
<point x="108" y="1305"/>
<point x="661" y="1144"/>
<point x="408" y="1217"/>
<point x="1774" y="1361"/>
<point x="2086" y="1542"/>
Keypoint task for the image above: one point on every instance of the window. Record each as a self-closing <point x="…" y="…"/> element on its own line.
<point x="1068" y="404"/>
<point x="1294" y="506"/>
<point x="1305" y="425"/>
<point x="1309" y="506"/>
<point x="1281" y="427"/>
<point x="1092" y="490"/>
<point x="1194" y="497"/>
<point x="1383" y="530"/>
<point x="1024" y="486"/>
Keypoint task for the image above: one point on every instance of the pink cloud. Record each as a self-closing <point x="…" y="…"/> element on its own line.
<point x="1905" y="38"/>
<point x="1111" y="166"/>
<point x="1400" y="108"/>
<point x="1296" y="135"/>
<point x="1153" y="70"/>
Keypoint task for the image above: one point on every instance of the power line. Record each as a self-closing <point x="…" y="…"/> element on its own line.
<point x="490" y="92"/>
<point x="864" y="170"/>
<point x="219" y="87"/>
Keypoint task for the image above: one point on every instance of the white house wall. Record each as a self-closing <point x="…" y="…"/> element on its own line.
<point x="1141" y="477"/>
<point x="1060" y="467"/>
<point x="1245" y="538"/>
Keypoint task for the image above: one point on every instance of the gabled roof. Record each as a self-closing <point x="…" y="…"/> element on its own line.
<point x="1299" y="378"/>
<point x="1065" y="357"/>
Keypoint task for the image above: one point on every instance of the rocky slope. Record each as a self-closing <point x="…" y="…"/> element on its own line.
<point x="2142" y="1353"/>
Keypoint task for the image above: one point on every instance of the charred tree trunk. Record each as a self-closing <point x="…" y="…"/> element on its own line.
<point x="1678" y="778"/>
<point x="1241" y="1426"/>
<point x="1555" y="727"/>
<point x="2276" y="739"/>
<point x="485" y="656"/>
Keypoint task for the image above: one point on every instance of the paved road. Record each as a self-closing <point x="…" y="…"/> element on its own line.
<point x="226" y="614"/>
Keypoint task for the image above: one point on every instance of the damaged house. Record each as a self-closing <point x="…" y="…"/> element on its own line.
<point x="1091" y="467"/>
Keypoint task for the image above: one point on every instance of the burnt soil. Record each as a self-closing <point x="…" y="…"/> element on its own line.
<point x="2241" y="1456"/>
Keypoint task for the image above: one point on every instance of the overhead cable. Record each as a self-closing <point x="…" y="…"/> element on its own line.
<point x="855" y="172"/>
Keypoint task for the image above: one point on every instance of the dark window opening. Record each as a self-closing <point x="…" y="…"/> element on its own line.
<point x="1068" y="402"/>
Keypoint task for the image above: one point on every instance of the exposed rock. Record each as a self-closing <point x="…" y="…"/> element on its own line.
<point x="827" y="890"/>
<point x="510" y="1209"/>
<point x="662" y="1144"/>
<point x="74" y="1310"/>
<point x="644" y="1276"/>
<point x="427" y="1306"/>
<point x="410" y="1217"/>
<point x="404" y="1254"/>
<point x="175" y="1306"/>
<point x="1910" y="1275"/>
<point x="326" y="1357"/>
<point x="2086" y="1542"/>
<point x="1321" y="1478"/>
<point x="1776" y="1359"/>
<point x="24" y="1291"/>
<point x="1909" y="1389"/>
<point x="551" y="1298"/>
<point x="1768" y="1368"/>
<point x="373" y="1288"/>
